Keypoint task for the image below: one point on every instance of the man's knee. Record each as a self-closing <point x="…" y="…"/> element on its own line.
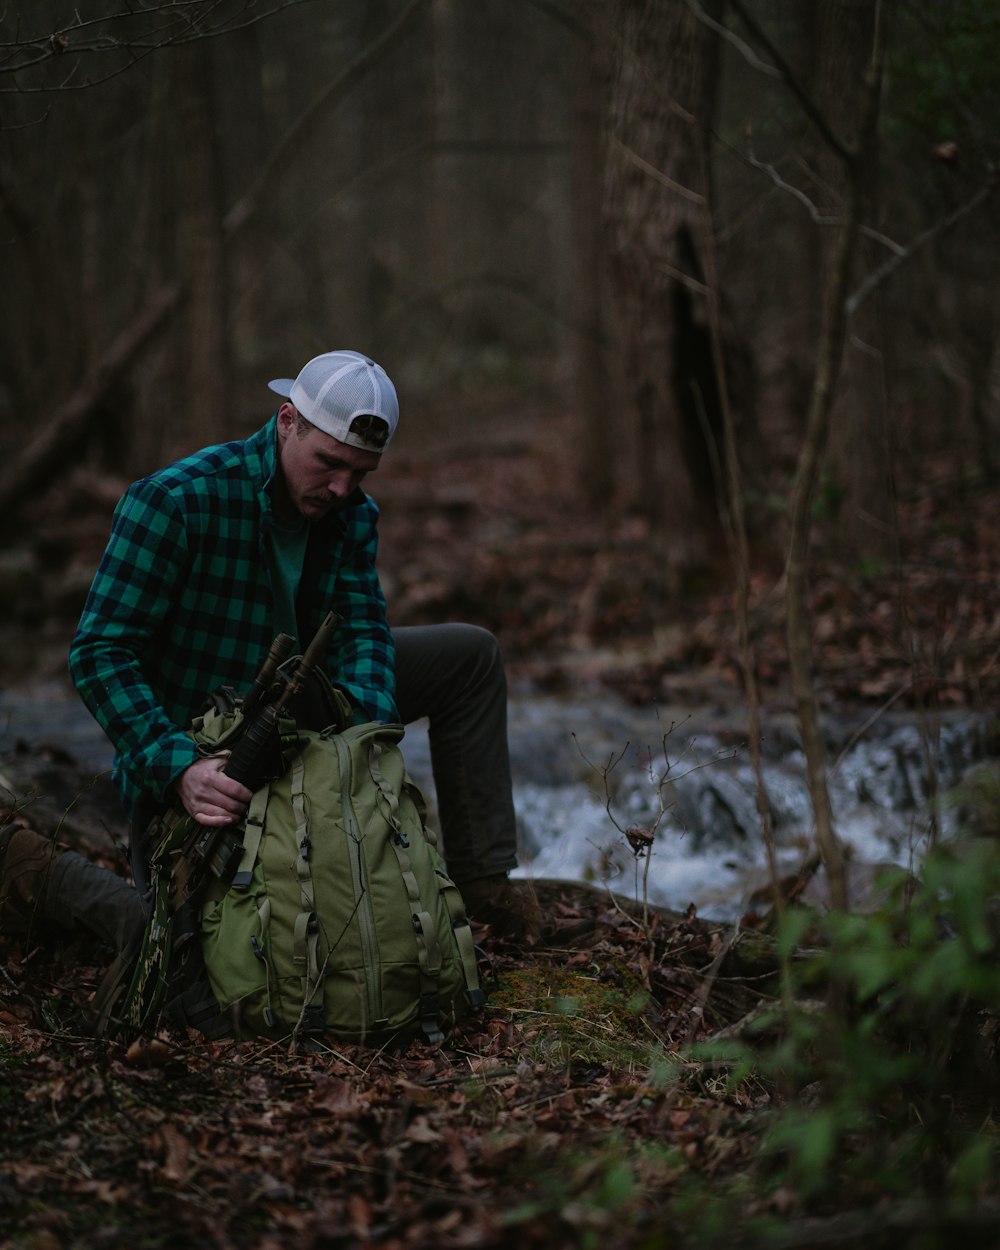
<point x="480" y="646"/>
<point x="438" y="666"/>
<point x="479" y="671"/>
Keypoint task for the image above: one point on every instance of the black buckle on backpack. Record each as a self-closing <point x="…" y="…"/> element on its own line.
<point x="429" y="1008"/>
<point x="313" y="1019"/>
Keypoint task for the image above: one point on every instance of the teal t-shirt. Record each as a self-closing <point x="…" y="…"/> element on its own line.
<point x="286" y="550"/>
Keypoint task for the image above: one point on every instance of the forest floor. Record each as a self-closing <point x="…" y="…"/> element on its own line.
<point x="575" y="1110"/>
<point x="563" y="1115"/>
<point x="500" y="535"/>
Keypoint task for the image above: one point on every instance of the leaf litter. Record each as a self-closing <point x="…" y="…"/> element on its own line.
<point x="562" y="1110"/>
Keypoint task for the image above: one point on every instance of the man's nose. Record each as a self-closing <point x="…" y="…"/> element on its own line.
<point x="341" y="483"/>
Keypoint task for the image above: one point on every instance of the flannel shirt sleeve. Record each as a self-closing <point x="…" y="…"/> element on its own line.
<point x="362" y="658"/>
<point x="131" y="594"/>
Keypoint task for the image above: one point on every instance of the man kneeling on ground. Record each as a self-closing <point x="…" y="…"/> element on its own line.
<point x="211" y="557"/>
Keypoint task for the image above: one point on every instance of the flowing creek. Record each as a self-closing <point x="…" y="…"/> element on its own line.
<point x="691" y="778"/>
<point x="687" y="776"/>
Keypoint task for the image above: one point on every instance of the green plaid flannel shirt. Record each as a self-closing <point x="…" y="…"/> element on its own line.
<point x="182" y="604"/>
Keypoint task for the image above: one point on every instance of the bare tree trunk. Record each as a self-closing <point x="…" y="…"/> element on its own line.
<point x="987" y="407"/>
<point x="590" y="374"/>
<point x="803" y="257"/>
<point x="201" y="254"/>
<point x="443" y="218"/>
<point x="836" y="289"/>
<point x="734" y="518"/>
<point x="148" y="441"/>
<point x="860" y="462"/>
<point x="662" y="92"/>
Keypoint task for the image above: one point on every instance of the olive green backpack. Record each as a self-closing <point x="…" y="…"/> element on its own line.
<point x="341" y="916"/>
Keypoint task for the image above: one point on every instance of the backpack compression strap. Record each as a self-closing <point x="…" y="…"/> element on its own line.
<point x="306" y="931"/>
<point x="428" y="950"/>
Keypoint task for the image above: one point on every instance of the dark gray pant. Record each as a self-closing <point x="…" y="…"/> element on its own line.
<point x="452" y="675"/>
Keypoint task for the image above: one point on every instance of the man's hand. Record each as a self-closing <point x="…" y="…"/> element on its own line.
<point x="209" y="795"/>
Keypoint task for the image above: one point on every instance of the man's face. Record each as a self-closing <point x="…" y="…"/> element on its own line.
<point x="319" y="473"/>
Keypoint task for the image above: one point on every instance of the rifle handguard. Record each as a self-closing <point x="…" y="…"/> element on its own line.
<point x="246" y="763"/>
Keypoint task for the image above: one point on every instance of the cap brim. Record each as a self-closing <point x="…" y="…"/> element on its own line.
<point x="281" y="386"/>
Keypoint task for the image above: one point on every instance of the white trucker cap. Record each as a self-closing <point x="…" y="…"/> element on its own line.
<point x="347" y="396"/>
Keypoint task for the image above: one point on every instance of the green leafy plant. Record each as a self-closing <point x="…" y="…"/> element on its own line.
<point x="881" y="1061"/>
<point x="599" y="1191"/>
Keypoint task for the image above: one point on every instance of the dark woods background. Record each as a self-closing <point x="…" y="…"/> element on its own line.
<point x="534" y="213"/>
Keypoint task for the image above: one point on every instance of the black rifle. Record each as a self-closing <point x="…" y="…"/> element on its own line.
<point x="254" y="759"/>
<point x="185" y="852"/>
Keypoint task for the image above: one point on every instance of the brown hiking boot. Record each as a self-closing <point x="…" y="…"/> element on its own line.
<point x="26" y="859"/>
<point x="510" y="908"/>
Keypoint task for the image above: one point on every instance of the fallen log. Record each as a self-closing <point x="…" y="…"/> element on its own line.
<point x="61" y="436"/>
<point x="736" y="952"/>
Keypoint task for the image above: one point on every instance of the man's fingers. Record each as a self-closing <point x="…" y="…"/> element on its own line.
<point x="233" y="789"/>
<point x="210" y="796"/>
<point x="214" y="817"/>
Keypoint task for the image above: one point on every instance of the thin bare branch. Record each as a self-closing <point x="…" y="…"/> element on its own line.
<point x="685" y="279"/>
<point x="730" y="36"/>
<point x="903" y="254"/>
<point x="685" y="192"/>
<point x="900" y="253"/>
<point x="120" y="36"/>
<point x="809" y="205"/>
<point x="779" y="67"/>
<point x="56" y="439"/>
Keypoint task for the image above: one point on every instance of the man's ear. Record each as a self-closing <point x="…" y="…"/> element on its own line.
<point x="287" y="416"/>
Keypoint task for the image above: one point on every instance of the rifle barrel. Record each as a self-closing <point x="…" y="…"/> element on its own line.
<point x="314" y="652"/>
<point x="278" y="653"/>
